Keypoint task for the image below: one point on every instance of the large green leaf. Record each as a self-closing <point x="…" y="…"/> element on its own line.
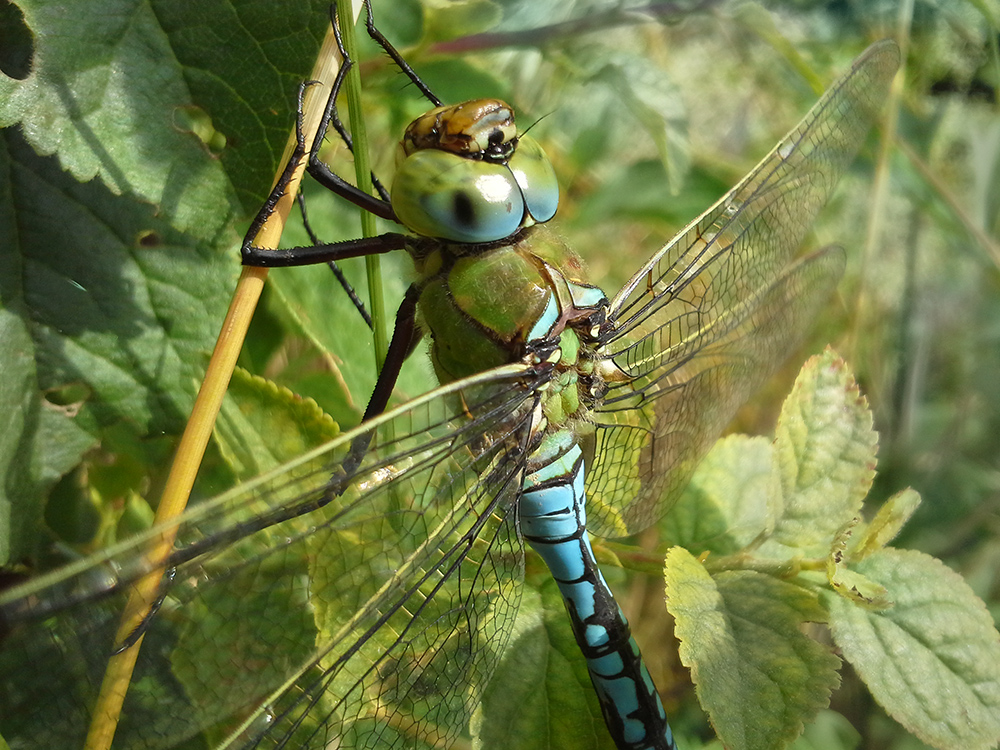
<point x="115" y="86"/>
<point x="933" y="659"/>
<point x="116" y="315"/>
<point x="758" y="675"/>
<point x="173" y="116"/>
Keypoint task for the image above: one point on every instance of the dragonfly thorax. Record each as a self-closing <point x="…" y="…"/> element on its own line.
<point x="464" y="174"/>
<point x="525" y="301"/>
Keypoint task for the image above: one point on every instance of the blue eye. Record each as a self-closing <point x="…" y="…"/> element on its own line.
<point x="537" y="179"/>
<point x="440" y="194"/>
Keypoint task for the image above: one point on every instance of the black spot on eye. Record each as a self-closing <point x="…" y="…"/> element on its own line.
<point x="496" y="137"/>
<point x="462" y="208"/>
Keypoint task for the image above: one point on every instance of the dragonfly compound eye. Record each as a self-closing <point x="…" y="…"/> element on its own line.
<point x="537" y="179"/>
<point x="442" y="194"/>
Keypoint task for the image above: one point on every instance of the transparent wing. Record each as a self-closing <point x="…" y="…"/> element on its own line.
<point x="304" y="611"/>
<point x="708" y="319"/>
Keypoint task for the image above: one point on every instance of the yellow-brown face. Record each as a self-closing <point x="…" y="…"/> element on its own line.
<point x="476" y="129"/>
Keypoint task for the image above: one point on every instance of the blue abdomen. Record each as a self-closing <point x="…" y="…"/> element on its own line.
<point x="553" y="521"/>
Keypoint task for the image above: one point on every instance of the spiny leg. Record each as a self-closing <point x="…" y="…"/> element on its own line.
<point x="405" y="337"/>
<point x="318" y="169"/>
<point x="397" y="58"/>
<point x="281" y="186"/>
<point x="344" y="283"/>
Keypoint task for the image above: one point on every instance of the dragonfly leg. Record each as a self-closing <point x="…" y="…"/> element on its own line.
<point x="268" y="258"/>
<point x="334" y="115"/>
<point x="344" y="283"/>
<point x="397" y="58"/>
<point x="317" y="168"/>
<point x="323" y="253"/>
<point x="405" y="337"/>
<point x="140" y="630"/>
<point x="281" y="186"/>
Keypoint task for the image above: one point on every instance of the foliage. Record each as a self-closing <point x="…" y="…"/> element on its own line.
<point x="915" y="632"/>
<point x="140" y="136"/>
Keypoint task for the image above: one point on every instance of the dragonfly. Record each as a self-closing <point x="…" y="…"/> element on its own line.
<point x="363" y="594"/>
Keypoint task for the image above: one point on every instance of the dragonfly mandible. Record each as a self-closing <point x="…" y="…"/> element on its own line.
<point x="363" y="594"/>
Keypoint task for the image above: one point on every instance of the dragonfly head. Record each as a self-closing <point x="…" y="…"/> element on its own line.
<point x="465" y="175"/>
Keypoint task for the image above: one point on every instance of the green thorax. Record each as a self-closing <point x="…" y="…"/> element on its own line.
<point x="483" y="307"/>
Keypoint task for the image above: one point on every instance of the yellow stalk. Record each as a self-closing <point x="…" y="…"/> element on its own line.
<point x="201" y="423"/>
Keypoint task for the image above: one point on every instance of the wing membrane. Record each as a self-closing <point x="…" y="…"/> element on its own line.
<point x="310" y="606"/>
<point x="710" y="316"/>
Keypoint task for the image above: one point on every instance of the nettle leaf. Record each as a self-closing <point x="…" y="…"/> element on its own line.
<point x="177" y="114"/>
<point x="932" y="660"/>
<point x="90" y="98"/>
<point x="120" y="312"/>
<point x="825" y="446"/>
<point x="915" y="632"/>
<point x="730" y="500"/>
<point x="757" y="674"/>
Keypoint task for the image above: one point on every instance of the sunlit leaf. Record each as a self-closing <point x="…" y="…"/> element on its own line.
<point x="932" y="660"/>
<point x="757" y="674"/>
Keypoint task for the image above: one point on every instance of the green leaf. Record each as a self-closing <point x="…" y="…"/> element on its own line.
<point x="933" y="660"/>
<point x="73" y="514"/>
<point x="825" y="447"/>
<point x="262" y="425"/>
<point x="859" y="589"/>
<point x="121" y="282"/>
<point x="729" y="500"/>
<point x="113" y="85"/>
<point x="136" y="517"/>
<point x="115" y="317"/>
<point x="757" y="674"/>
<point x="888" y="522"/>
